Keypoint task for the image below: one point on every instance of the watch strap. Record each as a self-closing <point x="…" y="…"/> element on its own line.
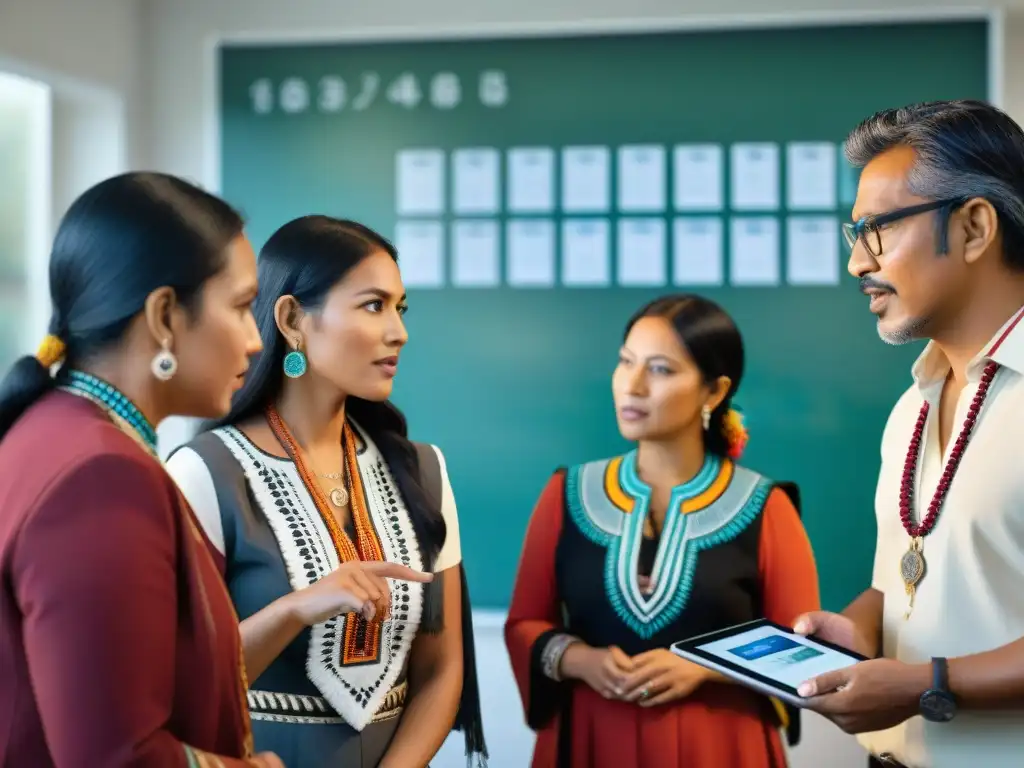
<point x="940" y="674"/>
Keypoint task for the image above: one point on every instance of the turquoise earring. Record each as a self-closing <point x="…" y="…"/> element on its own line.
<point x="295" y="363"/>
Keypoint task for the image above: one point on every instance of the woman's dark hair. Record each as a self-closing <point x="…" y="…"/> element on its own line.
<point x="306" y="258"/>
<point x="120" y="241"/>
<point x="714" y="344"/>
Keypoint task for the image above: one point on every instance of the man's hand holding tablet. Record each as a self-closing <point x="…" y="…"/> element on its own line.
<point x="868" y="696"/>
<point x="768" y="657"/>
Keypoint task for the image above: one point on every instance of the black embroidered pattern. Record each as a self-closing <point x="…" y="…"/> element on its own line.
<point x="307" y="540"/>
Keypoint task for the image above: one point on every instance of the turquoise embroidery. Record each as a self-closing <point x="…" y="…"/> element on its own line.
<point x="574" y="494"/>
<point x="683" y="538"/>
<point x="688" y="561"/>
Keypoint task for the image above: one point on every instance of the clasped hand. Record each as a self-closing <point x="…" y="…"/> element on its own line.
<point x="650" y="678"/>
<point x="354" y="587"/>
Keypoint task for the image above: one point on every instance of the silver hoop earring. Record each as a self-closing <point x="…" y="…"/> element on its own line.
<point x="705" y="417"/>
<point x="164" y="364"/>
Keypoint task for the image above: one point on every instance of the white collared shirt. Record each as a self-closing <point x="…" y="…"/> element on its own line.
<point x="971" y="598"/>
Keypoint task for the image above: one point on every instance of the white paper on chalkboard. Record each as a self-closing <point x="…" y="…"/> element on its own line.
<point x="754" y="252"/>
<point x="475" y="254"/>
<point x="697" y="177"/>
<point x="755" y="176"/>
<point x="811" y="176"/>
<point x="697" y="251"/>
<point x="531" y="253"/>
<point x="641" y="182"/>
<point x="420" y="253"/>
<point x="812" y="250"/>
<point x="476" y="173"/>
<point x="641" y="252"/>
<point x="420" y="182"/>
<point x="585" y="179"/>
<point x="585" y="258"/>
<point x="531" y="179"/>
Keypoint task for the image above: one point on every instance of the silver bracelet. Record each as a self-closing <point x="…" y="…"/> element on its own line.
<point x="551" y="657"/>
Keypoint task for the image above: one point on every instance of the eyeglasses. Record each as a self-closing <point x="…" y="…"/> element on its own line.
<point x="868" y="229"/>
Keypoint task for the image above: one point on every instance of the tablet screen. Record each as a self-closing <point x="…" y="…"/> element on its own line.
<point x="777" y="655"/>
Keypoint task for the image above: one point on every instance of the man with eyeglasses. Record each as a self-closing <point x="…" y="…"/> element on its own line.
<point x="937" y="241"/>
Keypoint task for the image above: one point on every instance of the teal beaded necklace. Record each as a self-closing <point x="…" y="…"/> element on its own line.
<point x="112" y="400"/>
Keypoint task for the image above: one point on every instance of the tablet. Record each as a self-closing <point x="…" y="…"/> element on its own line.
<point x="766" y="656"/>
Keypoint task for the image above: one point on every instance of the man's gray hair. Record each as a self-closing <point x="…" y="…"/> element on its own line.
<point x="963" y="149"/>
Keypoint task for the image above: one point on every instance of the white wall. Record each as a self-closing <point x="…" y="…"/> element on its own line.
<point x="88" y="52"/>
<point x="25" y="201"/>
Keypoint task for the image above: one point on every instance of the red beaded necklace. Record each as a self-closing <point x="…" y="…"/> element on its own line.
<point x="912" y="563"/>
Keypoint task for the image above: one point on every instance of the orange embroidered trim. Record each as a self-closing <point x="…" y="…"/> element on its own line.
<point x="623" y="501"/>
<point x="714" y="491"/>
<point x="613" y="489"/>
<point x="362" y="638"/>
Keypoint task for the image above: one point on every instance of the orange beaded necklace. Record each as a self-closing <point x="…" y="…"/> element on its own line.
<point x="362" y="638"/>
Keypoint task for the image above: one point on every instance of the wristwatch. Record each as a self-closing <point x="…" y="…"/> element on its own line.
<point x="938" y="705"/>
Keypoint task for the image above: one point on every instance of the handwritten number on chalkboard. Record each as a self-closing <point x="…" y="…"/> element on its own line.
<point x="445" y="90"/>
<point x="332" y="94"/>
<point x="261" y="93"/>
<point x="294" y="96"/>
<point x="493" y="88"/>
<point x="369" y="85"/>
<point x="405" y="91"/>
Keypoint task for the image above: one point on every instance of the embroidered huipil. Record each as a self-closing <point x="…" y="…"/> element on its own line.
<point x="335" y="695"/>
<point x="732" y="549"/>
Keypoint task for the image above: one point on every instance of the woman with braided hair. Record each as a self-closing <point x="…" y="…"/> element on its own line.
<point x="626" y="555"/>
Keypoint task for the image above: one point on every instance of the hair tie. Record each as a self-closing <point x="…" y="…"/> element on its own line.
<point x="51" y="351"/>
<point x="735" y="433"/>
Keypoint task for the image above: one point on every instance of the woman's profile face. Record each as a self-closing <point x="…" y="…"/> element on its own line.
<point x="354" y="339"/>
<point x="657" y="388"/>
<point x="214" y="345"/>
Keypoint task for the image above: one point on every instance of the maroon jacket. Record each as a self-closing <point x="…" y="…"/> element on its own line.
<point x="118" y="641"/>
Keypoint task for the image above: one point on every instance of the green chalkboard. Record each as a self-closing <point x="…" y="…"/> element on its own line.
<point x="513" y="380"/>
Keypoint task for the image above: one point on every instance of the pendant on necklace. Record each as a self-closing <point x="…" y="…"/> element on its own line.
<point x="339" y="497"/>
<point x="912" y="570"/>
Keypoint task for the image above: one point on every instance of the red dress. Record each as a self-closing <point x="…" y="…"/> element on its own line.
<point x="736" y="550"/>
<point x="119" y="645"/>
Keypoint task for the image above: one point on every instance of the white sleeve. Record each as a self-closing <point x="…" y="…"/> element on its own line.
<point x="193" y="477"/>
<point x="451" y="552"/>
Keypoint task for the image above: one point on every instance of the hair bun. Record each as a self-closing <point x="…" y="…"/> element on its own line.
<point x="735" y="433"/>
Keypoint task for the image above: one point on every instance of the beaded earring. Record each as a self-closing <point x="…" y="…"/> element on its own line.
<point x="705" y="416"/>
<point x="164" y="364"/>
<point x="294" y="362"/>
